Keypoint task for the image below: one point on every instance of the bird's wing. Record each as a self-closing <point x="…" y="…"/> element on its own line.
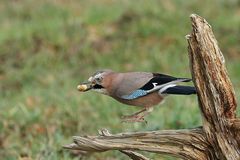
<point x="145" y="83"/>
<point x="128" y="83"/>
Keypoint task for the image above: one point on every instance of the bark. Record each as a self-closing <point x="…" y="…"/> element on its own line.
<point x="217" y="139"/>
<point x="215" y="92"/>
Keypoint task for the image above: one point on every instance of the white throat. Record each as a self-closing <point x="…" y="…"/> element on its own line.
<point x="102" y="91"/>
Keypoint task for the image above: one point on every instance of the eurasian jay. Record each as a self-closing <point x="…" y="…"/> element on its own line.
<point x="141" y="89"/>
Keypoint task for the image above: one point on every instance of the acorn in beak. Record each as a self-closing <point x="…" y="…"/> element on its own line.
<point x="90" y="84"/>
<point x="85" y="86"/>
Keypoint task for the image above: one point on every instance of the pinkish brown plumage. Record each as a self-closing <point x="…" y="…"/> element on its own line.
<point x="141" y="89"/>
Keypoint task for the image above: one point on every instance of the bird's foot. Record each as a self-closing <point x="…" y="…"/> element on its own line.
<point x="138" y="116"/>
<point x="133" y="118"/>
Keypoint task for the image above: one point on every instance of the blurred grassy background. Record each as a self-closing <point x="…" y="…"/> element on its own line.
<point x="48" y="47"/>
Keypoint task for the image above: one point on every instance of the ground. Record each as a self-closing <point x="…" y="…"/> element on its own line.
<point x="49" y="47"/>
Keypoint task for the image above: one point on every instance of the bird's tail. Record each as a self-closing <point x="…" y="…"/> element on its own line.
<point x="182" y="90"/>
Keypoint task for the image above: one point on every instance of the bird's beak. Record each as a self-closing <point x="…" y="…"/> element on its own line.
<point x="85" y="86"/>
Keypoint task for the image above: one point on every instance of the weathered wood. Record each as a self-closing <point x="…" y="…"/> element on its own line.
<point x="131" y="154"/>
<point x="215" y="92"/>
<point x="188" y="144"/>
<point x="217" y="139"/>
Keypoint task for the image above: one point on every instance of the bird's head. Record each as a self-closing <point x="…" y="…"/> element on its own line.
<point x="97" y="82"/>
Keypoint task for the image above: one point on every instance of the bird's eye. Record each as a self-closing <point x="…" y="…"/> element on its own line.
<point x="98" y="79"/>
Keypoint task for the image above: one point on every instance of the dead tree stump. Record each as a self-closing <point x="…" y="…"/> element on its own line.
<point x="219" y="136"/>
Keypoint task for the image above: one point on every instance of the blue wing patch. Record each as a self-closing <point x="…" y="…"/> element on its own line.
<point x="135" y="94"/>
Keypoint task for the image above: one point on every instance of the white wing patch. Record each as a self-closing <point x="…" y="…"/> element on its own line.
<point x="165" y="88"/>
<point x="154" y="84"/>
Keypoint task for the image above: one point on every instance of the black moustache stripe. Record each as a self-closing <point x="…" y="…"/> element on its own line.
<point x="97" y="86"/>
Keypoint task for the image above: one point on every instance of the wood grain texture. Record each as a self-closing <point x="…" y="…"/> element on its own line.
<point x="215" y="92"/>
<point x="188" y="144"/>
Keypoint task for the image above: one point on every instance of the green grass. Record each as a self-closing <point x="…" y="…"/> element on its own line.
<point x="48" y="47"/>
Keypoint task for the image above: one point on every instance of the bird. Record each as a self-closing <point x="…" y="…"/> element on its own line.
<point x="142" y="89"/>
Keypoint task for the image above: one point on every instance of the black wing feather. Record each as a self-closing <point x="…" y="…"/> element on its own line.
<point x="160" y="79"/>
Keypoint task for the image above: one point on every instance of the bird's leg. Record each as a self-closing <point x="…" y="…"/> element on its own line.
<point x="138" y="116"/>
<point x="135" y="114"/>
<point x="147" y="111"/>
